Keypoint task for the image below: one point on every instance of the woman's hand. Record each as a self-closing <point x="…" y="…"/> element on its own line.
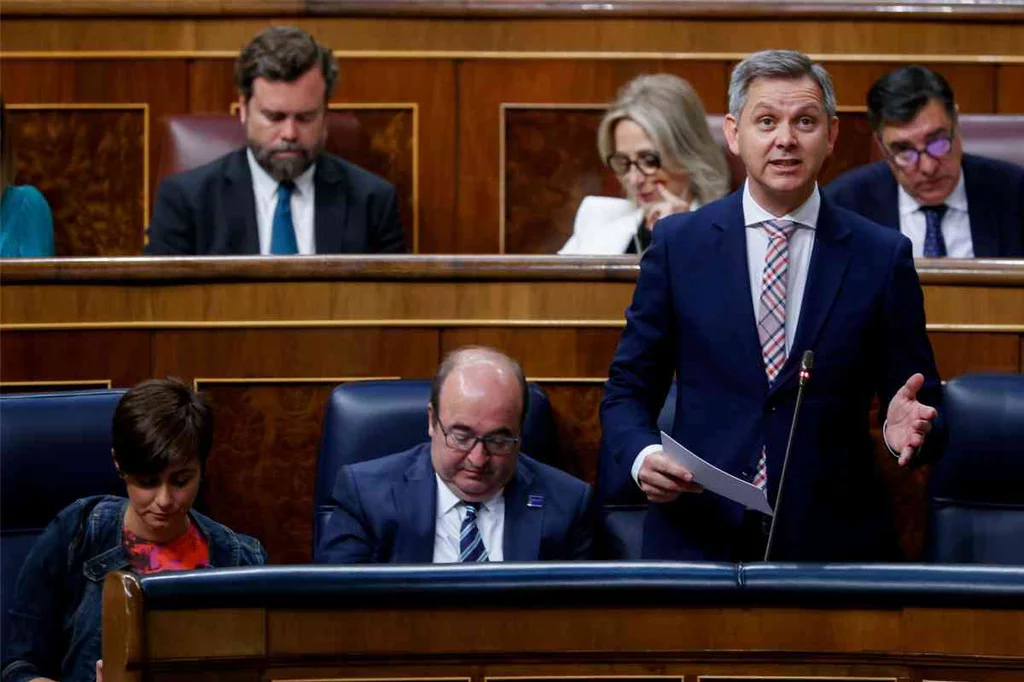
<point x="668" y="205"/>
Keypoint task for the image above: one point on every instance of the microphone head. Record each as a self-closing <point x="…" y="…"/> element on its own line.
<point x="807" y="360"/>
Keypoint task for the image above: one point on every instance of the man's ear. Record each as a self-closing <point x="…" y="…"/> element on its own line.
<point x="430" y="420"/>
<point x="730" y="126"/>
<point x="243" y="109"/>
<point x="113" y="455"/>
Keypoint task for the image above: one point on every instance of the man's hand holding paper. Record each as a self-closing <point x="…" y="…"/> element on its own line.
<point x="663" y="479"/>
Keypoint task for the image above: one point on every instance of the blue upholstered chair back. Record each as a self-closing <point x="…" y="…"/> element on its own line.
<point x="976" y="496"/>
<point x="54" y="449"/>
<point x="623" y="505"/>
<point x="371" y="419"/>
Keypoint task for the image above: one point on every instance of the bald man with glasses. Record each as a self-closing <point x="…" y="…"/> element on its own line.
<point x="468" y="495"/>
<point x="949" y="204"/>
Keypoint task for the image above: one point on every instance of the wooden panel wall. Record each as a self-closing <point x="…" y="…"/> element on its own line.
<point x="481" y="182"/>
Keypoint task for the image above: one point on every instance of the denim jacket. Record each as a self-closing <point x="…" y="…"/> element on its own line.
<point x="55" y="616"/>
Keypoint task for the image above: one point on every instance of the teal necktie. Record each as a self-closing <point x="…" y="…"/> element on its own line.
<point x="282" y="235"/>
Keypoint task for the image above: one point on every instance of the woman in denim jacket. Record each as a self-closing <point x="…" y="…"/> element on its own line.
<point x="162" y="433"/>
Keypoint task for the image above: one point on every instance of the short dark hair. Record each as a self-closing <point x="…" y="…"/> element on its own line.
<point x="898" y="96"/>
<point x="455" y="358"/>
<point x="283" y="53"/>
<point x="158" y="423"/>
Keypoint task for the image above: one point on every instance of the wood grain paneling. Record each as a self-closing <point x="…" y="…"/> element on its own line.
<point x="160" y="84"/>
<point x="1010" y="95"/>
<point x="734" y="35"/>
<point x="961" y="353"/>
<point x="260" y="476"/>
<point x="974" y="84"/>
<point x="90" y="164"/>
<point x="123" y="357"/>
<point x="485" y="85"/>
<point x="247" y="353"/>
<point x="544" y="353"/>
<point x="551" y="163"/>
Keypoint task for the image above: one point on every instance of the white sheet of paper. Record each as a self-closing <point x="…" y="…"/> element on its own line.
<point x="716" y="480"/>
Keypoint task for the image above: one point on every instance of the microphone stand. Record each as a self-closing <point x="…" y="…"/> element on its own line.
<point x="806" y="365"/>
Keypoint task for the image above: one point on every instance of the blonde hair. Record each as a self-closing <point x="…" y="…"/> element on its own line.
<point x="672" y="116"/>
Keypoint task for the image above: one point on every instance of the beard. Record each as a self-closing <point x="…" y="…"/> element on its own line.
<point x="285" y="168"/>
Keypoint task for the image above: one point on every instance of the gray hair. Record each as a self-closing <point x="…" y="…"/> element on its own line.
<point x="671" y="114"/>
<point x="778" y="64"/>
<point x="463" y="355"/>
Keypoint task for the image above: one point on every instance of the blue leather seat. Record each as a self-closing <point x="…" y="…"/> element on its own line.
<point x="976" y="490"/>
<point x="623" y="505"/>
<point x="55" y="448"/>
<point x="371" y="419"/>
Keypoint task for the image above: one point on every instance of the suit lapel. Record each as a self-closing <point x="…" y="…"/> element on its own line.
<point x="330" y="206"/>
<point x="240" y="206"/>
<point x="982" y="211"/>
<point x="829" y="262"/>
<point x="889" y="207"/>
<point x="735" y="305"/>
<point x="523" y="525"/>
<point x="416" y="503"/>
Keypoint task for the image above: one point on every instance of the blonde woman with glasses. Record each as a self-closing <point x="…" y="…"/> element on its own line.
<point x="655" y="138"/>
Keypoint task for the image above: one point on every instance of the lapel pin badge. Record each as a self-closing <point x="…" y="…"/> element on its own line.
<point x="535" y="501"/>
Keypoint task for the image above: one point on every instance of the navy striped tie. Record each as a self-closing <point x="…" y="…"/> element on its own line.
<point x="471" y="544"/>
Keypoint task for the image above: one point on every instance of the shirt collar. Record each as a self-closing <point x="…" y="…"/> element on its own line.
<point x="806" y="214"/>
<point x="265" y="186"/>
<point x="957" y="198"/>
<point x="447" y="500"/>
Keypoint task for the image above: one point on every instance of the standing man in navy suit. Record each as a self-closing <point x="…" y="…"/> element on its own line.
<point x="948" y="203"/>
<point x="468" y="495"/>
<point x="728" y="299"/>
<point x="283" y="194"/>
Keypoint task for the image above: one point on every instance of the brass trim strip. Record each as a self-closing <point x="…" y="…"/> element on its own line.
<point x="304" y="324"/>
<point x="393" y="323"/>
<point x="374" y="679"/>
<point x="83" y="383"/>
<point x="107" y="106"/>
<point x="521" y="55"/>
<point x="287" y="380"/>
<point x="567" y="380"/>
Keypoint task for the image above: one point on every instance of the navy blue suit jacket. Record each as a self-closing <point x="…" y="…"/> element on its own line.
<point x="211" y="211"/>
<point x="995" y="201"/>
<point x="692" y="316"/>
<point x="385" y="508"/>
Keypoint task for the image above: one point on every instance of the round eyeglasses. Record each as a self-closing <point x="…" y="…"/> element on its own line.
<point x="909" y="157"/>
<point x="464" y="441"/>
<point x="647" y="163"/>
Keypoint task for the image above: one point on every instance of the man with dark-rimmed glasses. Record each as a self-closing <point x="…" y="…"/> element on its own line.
<point x="468" y="495"/>
<point x="948" y="203"/>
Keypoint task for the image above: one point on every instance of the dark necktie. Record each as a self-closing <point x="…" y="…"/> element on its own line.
<point x="934" y="244"/>
<point x="471" y="544"/>
<point x="282" y="234"/>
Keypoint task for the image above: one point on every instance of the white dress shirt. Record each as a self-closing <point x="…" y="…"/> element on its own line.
<point x="451" y="511"/>
<point x="956" y="224"/>
<point x="264" y="188"/>
<point x="801" y="245"/>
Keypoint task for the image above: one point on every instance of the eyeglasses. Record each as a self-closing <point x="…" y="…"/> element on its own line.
<point x="464" y="441"/>
<point x="936" y="148"/>
<point x="647" y="163"/>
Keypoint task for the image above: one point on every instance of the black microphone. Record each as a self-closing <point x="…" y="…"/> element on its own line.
<point x="806" y="365"/>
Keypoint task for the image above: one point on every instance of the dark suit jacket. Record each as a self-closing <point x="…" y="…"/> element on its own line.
<point x="211" y="210"/>
<point x="691" y="314"/>
<point x="385" y="509"/>
<point x="995" y="201"/>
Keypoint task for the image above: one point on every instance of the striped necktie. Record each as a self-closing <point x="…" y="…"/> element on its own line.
<point x="471" y="544"/>
<point x="771" y="313"/>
